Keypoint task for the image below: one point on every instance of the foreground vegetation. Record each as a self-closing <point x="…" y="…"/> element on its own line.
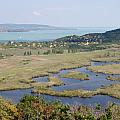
<point x="35" y="108"/>
<point x="8" y="111"/>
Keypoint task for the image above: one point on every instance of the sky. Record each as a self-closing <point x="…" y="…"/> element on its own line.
<point x="63" y="13"/>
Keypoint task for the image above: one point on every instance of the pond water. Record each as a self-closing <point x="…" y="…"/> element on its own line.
<point x="16" y="95"/>
<point x="95" y="63"/>
<point x="41" y="79"/>
<point x="96" y="80"/>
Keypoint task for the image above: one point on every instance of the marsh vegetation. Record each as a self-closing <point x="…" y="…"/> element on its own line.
<point x="75" y="75"/>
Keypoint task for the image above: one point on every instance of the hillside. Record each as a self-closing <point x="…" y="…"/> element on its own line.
<point x="112" y="36"/>
<point x="109" y="36"/>
<point x="24" y="27"/>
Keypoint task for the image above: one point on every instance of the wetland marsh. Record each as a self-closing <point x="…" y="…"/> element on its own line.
<point x="69" y="90"/>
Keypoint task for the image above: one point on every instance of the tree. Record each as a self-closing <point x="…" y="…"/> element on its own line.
<point x="28" y="53"/>
<point x="38" y="52"/>
<point x="24" y="53"/>
<point x="68" y="50"/>
<point x="48" y="52"/>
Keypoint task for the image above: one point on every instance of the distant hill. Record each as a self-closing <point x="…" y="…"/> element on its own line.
<point x="25" y="27"/>
<point x="112" y="36"/>
<point x="109" y="36"/>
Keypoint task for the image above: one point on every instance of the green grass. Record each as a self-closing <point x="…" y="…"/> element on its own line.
<point x="75" y="75"/>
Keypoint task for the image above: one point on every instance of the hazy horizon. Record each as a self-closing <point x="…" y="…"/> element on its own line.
<point x="62" y="13"/>
<point x="59" y="26"/>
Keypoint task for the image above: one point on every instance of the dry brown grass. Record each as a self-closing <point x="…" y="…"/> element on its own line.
<point x="109" y="69"/>
<point x="113" y="90"/>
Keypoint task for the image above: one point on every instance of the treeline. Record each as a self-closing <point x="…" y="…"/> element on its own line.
<point x="1" y="56"/>
<point x="27" y="53"/>
<point x="73" y="48"/>
<point x="61" y="51"/>
<point x="54" y="51"/>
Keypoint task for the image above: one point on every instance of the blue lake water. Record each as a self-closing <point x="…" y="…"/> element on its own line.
<point x="47" y="35"/>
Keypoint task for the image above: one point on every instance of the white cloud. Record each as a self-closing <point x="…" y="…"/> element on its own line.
<point x="36" y="13"/>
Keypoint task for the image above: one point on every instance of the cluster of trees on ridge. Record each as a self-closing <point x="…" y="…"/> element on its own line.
<point x="109" y="36"/>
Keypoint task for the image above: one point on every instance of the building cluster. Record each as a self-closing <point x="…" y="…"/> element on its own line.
<point x="50" y="44"/>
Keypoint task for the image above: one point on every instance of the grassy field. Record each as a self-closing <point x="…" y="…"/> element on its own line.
<point x="20" y="51"/>
<point x="75" y="75"/>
